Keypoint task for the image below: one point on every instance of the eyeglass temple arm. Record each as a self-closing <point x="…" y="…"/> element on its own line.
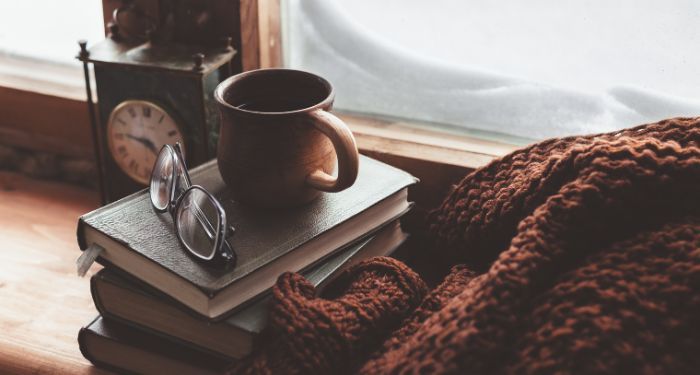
<point x="178" y="149"/>
<point x="227" y="252"/>
<point x="181" y="158"/>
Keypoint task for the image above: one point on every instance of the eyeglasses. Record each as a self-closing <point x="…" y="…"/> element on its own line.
<point x="199" y="218"/>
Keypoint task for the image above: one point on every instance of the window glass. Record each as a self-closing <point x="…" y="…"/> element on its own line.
<point x="48" y="30"/>
<point x="531" y="69"/>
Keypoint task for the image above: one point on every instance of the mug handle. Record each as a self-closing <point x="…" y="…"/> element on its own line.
<point x="345" y="148"/>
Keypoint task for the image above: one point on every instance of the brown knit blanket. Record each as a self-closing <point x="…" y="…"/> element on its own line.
<point x="575" y="255"/>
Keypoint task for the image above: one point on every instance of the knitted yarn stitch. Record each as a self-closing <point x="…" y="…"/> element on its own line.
<point x="589" y="249"/>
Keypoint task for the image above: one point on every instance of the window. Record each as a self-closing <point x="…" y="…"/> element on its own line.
<point x="38" y="43"/>
<point x="530" y="69"/>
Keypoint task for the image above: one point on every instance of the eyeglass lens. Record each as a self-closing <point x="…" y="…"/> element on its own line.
<point x="162" y="179"/>
<point x="198" y="223"/>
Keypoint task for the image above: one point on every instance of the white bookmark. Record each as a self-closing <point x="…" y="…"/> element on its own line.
<point x="87" y="258"/>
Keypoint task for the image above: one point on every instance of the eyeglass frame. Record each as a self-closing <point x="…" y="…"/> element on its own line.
<point x="222" y="248"/>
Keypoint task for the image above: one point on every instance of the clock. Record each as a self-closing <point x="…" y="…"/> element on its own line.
<point x="136" y="131"/>
<point x="154" y="87"/>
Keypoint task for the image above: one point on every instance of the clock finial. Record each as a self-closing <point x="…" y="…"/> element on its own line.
<point x="227" y="43"/>
<point x="113" y="30"/>
<point x="84" y="53"/>
<point x="198" y="59"/>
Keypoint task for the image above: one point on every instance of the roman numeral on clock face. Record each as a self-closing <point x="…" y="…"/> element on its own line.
<point x="137" y="131"/>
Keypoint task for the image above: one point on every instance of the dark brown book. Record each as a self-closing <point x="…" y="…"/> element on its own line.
<point x="120" y="297"/>
<point x="125" y="349"/>
<point x="143" y="243"/>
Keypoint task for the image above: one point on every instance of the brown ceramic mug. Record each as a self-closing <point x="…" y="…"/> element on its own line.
<point x="278" y="144"/>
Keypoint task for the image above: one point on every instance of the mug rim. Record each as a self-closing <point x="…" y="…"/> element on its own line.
<point x="226" y="84"/>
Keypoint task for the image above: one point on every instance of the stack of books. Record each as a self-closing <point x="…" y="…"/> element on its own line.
<point x="162" y="311"/>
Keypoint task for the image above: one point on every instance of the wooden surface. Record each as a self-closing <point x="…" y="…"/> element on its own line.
<point x="260" y="34"/>
<point x="250" y="35"/>
<point x="269" y="32"/>
<point x="43" y="303"/>
<point x="404" y="138"/>
<point x="44" y="123"/>
<point x="439" y="160"/>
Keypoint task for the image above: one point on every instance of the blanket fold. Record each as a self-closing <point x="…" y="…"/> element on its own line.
<point x="579" y="254"/>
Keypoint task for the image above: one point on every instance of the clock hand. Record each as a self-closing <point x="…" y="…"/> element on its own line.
<point x="146" y="142"/>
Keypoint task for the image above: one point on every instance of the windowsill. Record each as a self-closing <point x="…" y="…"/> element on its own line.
<point x="416" y="141"/>
<point x="41" y="76"/>
<point x="378" y="136"/>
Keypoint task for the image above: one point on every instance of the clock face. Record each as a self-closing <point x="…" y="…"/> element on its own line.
<point x="136" y="131"/>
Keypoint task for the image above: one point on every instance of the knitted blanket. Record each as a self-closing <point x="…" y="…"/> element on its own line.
<point x="574" y="255"/>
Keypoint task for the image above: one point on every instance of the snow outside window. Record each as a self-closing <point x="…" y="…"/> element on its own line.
<point x="38" y="44"/>
<point x="532" y="69"/>
<point x="48" y="29"/>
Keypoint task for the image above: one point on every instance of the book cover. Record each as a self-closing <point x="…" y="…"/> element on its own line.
<point x="120" y="348"/>
<point x="120" y="297"/>
<point x="131" y="228"/>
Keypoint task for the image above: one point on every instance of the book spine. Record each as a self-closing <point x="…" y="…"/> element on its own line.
<point x="82" y="344"/>
<point x="94" y="291"/>
<point x="80" y="234"/>
<point x="85" y="350"/>
<point x="109" y="316"/>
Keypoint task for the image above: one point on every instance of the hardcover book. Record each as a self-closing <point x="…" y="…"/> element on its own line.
<point x="122" y="298"/>
<point x="268" y="242"/>
<point x="121" y="348"/>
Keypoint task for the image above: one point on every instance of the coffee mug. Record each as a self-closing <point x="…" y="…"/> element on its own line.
<point x="278" y="144"/>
